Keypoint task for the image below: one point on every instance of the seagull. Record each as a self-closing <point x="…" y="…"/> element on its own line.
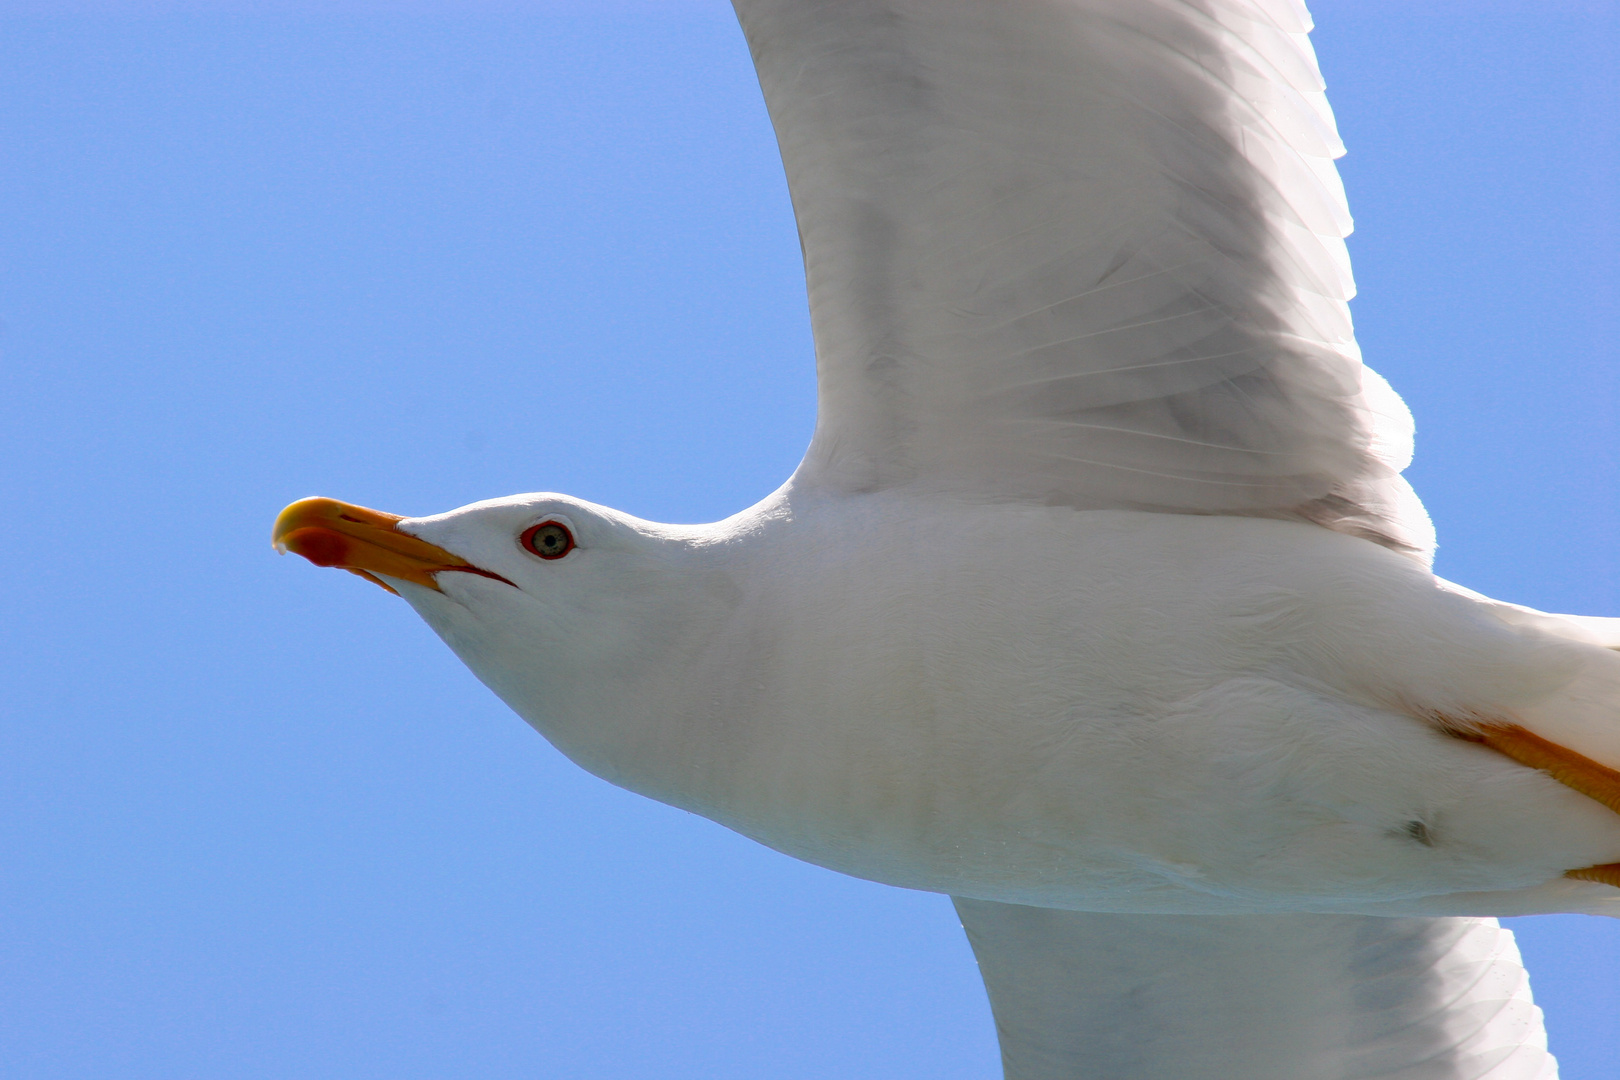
<point x="1098" y="601"/>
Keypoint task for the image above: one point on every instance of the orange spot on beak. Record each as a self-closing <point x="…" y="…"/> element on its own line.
<point x="323" y="547"/>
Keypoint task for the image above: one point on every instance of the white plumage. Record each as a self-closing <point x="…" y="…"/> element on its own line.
<point x="1099" y="601"/>
<point x="1087" y="252"/>
<point x="1291" y="997"/>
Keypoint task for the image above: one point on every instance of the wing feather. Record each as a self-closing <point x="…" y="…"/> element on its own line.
<point x="1080" y="252"/>
<point x="1251" y="997"/>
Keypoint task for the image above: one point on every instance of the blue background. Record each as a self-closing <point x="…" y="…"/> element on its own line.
<point x="255" y="821"/>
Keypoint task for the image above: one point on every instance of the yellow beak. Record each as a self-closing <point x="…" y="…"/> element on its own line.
<point x="364" y="542"/>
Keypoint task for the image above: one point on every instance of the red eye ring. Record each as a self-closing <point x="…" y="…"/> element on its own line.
<point x="549" y="540"/>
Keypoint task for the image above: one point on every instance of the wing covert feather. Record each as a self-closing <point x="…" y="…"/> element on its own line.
<point x="1082" y="252"/>
<point x="1255" y="997"/>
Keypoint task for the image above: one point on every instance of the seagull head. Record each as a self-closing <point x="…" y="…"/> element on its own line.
<point x="574" y="614"/>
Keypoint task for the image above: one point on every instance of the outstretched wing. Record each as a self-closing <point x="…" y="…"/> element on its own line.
<point x="1255" y="997"/>
<point x="1081" y="252"/>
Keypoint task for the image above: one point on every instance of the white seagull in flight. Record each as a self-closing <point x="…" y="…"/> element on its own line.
<point x="1098" y="601"/>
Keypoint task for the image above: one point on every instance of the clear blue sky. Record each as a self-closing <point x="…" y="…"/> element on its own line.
<point x="255" y="821"/>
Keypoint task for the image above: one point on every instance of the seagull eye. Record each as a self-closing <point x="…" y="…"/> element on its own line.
<point x="549" y="540"/>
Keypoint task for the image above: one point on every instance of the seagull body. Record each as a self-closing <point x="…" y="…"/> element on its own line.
<point x="1098" y="601"/>
<point x="1100" y="710"/>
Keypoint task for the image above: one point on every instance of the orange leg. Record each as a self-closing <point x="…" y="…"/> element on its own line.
<point x="1604" y="874"/>
<point x="1567" y="767"/>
